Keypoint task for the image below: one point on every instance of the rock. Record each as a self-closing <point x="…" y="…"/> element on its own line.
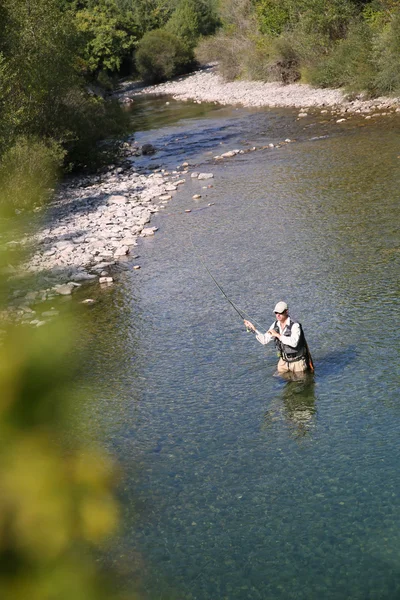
<point x="205" y="176"/>
<point x="50" y="313"/>
<point x="136" y="267"/>
<point x="196" y="196"/>
<point x="88" y="301"/>
<point x="64" y="289"/>
<point x="128" y="241"/>
<point x="148" y="231"/>
<point x="188" y="210"/>
<point x="121" y="251"/>
<point x="117" y="200"/>
<point x="165" y="197"/>
<point x="230" y="153"/>
<point x="106" y="280"/>
<point x="148" y="149"/>
<point x="340" y="120"/>
<point x="194" y="175"/>
<point x="102" y="265"/>
<point x="83" y="276"/>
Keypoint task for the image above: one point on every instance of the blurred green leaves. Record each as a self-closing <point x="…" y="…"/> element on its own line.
<point x="57" y="504"/>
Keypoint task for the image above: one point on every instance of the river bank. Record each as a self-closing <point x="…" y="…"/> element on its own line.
<point x="92" y="224"/>
<point x="206" y="85"/>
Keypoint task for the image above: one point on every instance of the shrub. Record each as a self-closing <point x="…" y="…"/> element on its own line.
<point x="387" y="57"/>
<point x="162" y="55"/>
<point x="230" y="52"/>
<point x="191" y="19"/>
<point x="350" y="63"/>
<point x="88" y="120"/>
<point x="273" y="16"/>
<point x="28" y="172"/>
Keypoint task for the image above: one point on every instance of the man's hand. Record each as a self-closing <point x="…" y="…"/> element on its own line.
<point x="249" y="326"/>
<point x="274" y="334"/>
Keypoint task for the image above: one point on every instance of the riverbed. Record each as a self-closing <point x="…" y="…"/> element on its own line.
<point x="238" y="484"/>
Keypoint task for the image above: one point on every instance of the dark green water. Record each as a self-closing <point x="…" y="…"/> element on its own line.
<point x="237" y="484"/>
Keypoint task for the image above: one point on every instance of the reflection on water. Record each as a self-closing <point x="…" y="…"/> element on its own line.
<point x="296" y="404"/>
<point x="238" y="484"/>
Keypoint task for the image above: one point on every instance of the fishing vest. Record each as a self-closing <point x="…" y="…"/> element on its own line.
<point x="288" y="353"/>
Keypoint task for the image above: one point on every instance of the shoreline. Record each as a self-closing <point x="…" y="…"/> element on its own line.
<point x="89" y="228"/>
<point x="206" y="85"/>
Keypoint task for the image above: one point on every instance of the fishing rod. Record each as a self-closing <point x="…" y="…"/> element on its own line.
<point x="242" y="314"/>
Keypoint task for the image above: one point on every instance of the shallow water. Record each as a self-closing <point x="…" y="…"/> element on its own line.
<point x="238" y="484"/>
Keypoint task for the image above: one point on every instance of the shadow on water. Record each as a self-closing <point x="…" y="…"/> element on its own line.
<point x="336" y="361"/>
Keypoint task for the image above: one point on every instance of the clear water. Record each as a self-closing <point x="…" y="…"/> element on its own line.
<point x="237" y="484"/>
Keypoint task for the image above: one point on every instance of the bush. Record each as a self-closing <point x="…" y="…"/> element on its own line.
<point x="387" y="57"/>
<point x="273" y="16"/>
<point x="191" y="19"/>
<point x="28" y="172"/>
<point x="230" y="52"/>
<point x="87" y="120"/>
<point x="162" y="55"/>
<point x="350" y="63"/>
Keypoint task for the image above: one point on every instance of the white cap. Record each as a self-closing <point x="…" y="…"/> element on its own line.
<point x="280" y="307"/>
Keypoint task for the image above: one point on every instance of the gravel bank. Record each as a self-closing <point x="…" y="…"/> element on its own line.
<point x="207" y="85"/>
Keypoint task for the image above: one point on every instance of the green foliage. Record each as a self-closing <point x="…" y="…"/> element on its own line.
<point x="92" y="119"/>
<point x="350" y="63"/>
<point x="28" y="172"/>
<point x="42" y="93"/>
<point x="350" y="43"/>
<point x="387" y="57"/>
<point x="110" y="35"/>
<point x="273" y="16"/>
<point x="191" y="19"/>
<point x="327" y="19"/>
<point x="56" y="501"/>
<point x="162" y="55"/>
<point x="39" y="64"/>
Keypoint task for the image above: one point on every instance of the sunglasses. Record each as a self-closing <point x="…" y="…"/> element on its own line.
<point x="282" y="313"/>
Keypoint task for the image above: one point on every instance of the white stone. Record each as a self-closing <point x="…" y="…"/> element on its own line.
<point x="205" y="176"/>
<point x="106" y="280"/>
<point x="148" y="231"/>
<point x="121" y="251"/>
<point x="117" y="200"/>
<point x="64" y="289"/>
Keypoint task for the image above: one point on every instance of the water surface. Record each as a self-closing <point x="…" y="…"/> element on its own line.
<point x="238" y="484"/>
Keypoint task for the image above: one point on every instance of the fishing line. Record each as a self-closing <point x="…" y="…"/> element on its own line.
<point x="242" y="313"/>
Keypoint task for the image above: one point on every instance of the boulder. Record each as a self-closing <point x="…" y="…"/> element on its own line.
<point x="205" y="176"/>
<point x="148" y="149"/>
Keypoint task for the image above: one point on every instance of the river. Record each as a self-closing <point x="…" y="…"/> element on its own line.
<point x="237" y="484"/>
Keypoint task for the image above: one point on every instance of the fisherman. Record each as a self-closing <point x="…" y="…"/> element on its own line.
<point x="294" y="355"/>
